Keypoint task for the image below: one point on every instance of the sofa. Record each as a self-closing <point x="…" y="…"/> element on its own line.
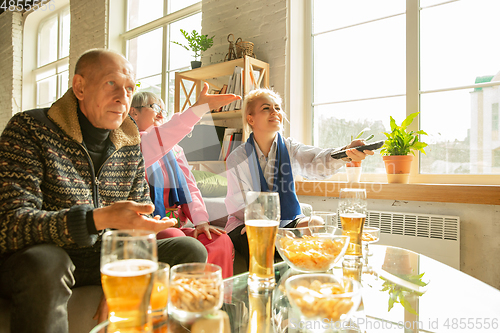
<point x="213" y="188"/>
<point x="84" y="300"/>
<point x="82" y="306"/>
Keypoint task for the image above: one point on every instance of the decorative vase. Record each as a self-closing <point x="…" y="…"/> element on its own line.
<point x="195" y="64"/>
<point x="398" y="168"/>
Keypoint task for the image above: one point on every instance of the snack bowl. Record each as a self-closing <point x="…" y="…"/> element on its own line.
<point x="323" y="297"/>
<point x="370" y="235"/>
<point x="196" y="289"/>
<point x="311" y="249"/>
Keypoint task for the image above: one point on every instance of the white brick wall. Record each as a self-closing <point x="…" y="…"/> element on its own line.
<point x="88" y="28"/>
<point x="11" y="48"/>
<point x="262" y="22"/>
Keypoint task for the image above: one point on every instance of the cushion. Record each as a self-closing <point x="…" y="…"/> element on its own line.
<point x="210" y="184"/>
<point x="217" y="213"/>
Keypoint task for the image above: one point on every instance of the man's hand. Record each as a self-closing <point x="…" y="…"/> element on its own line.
<point x="205" y="228"/>
<point x="354" y="154"/>
<point x="214" y="101"/>
<point x="101" y="313"/>
<point x="129" y="215"/>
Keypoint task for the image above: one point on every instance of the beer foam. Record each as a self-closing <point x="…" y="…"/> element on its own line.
<point x="353" y="215"/>
<point x="262" y="223"/>
<point x="129" y="267"/>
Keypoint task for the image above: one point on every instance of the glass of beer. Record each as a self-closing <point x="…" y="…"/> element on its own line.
<point x="352" y="212"/>
<point x="128" y="265"/>
<point x="262" y="218"/>
<point x="159" y="298"/>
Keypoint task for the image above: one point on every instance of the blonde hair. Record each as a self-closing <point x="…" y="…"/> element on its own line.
<point x="251" y="98"/>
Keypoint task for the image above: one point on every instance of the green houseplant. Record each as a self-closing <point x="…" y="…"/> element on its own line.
<point x="197" y="43"/>
<point x="353" y="169"/>
<point x="396" y="150"/>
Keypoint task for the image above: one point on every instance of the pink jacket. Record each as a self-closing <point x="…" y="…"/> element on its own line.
<point x="157" y="141"/>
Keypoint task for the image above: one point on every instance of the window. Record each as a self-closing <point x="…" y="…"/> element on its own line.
<point x="148" y="45"/>
<point x="436" y="57"/>
<point x="52" y="63"/>
<point x="495" y="121"/>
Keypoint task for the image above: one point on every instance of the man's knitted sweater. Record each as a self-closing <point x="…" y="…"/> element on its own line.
<point x="48" y="182"/>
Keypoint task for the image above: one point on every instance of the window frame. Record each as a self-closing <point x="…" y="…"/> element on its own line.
<point x="413" y="94"/>
<point x="59" y="66"/>
<point x="163" y="22"/>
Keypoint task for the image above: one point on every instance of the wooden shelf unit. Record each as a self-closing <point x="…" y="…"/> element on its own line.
<point x="203" y="74"/>
<point x="213" y="72"/>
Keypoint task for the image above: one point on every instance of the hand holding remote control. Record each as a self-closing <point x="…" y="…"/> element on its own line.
<point x="372" y="146"/>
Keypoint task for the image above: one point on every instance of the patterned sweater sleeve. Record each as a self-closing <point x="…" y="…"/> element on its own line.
<point x="24" y="220"/>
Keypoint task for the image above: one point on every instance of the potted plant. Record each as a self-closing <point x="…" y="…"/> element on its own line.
<point x="353" y="169"/>
<point x="196" y="43"/>
<point x="396" y="150"/>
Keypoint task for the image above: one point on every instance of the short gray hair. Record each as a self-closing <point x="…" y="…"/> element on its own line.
<point x="143" y="98"/>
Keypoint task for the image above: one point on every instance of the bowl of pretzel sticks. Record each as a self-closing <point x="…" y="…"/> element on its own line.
<point x="323" y="297"/>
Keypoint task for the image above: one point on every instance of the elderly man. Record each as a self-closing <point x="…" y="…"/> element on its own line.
<point x="69" y="172"/>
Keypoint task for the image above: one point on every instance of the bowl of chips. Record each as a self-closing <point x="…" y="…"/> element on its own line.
<point x="323" y="297"/>
<point x="310" y="249"/>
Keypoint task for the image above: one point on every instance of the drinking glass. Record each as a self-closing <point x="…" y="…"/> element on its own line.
<point x="128" y="264"/>
<point x="352" y="269"/>
<point x="262" y="217"/>
<point x="370" y="235"/>
<point x="352" y="212"/>
<point x="325" y="302"/>
<point x="196" y="290"/>
<point x="323" y="220"/>
<point x="159" y="298"/>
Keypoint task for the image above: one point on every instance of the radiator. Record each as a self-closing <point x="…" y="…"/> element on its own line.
<point x="435" y="236"/>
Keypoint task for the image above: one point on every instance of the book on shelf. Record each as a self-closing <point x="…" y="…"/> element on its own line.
<point x="222" y="90"/>
<point x="238" y="87"/>
<point x="237" y="137"/>
<point x="203" y="143"/>
<point x="235" y="142"/>
<point x="214" y="91"/>
<point x="254" y="79"/>
<point x="228" y="132"/>
<point x="231" y="140"/>
<point x="230" y="90"/>
<point x="235" y="86"/>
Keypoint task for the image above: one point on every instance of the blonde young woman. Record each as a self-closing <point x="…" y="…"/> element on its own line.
<point x="268" y="162"/>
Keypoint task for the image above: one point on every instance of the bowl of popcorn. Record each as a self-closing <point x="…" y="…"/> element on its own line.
<point x="310" y="249"/>
<point x="324" y="297"/>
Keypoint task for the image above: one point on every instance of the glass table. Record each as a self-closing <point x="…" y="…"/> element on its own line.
<point x="451" y="301"/>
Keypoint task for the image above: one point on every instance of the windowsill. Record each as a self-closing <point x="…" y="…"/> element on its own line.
<point x="471" y="194"/>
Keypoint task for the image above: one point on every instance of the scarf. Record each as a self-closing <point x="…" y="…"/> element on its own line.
<point x="178" y="192"/>
<point x="282" y="178"/>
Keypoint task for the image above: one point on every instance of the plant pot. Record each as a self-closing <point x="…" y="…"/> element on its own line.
<point x="398" y="168"/>
<point x="353" y="171"/>
<point x="195" y="64"/>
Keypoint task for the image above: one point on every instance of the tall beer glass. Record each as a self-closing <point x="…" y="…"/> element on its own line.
<point x="262" y="216"/>
<point x="352" y="212"/>
<point x="128" y="264"/>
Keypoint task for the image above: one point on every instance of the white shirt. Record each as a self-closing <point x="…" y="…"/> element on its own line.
<point x="307" y="161"/>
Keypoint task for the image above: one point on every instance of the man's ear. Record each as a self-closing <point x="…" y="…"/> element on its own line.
<point x="78" y="86"/>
